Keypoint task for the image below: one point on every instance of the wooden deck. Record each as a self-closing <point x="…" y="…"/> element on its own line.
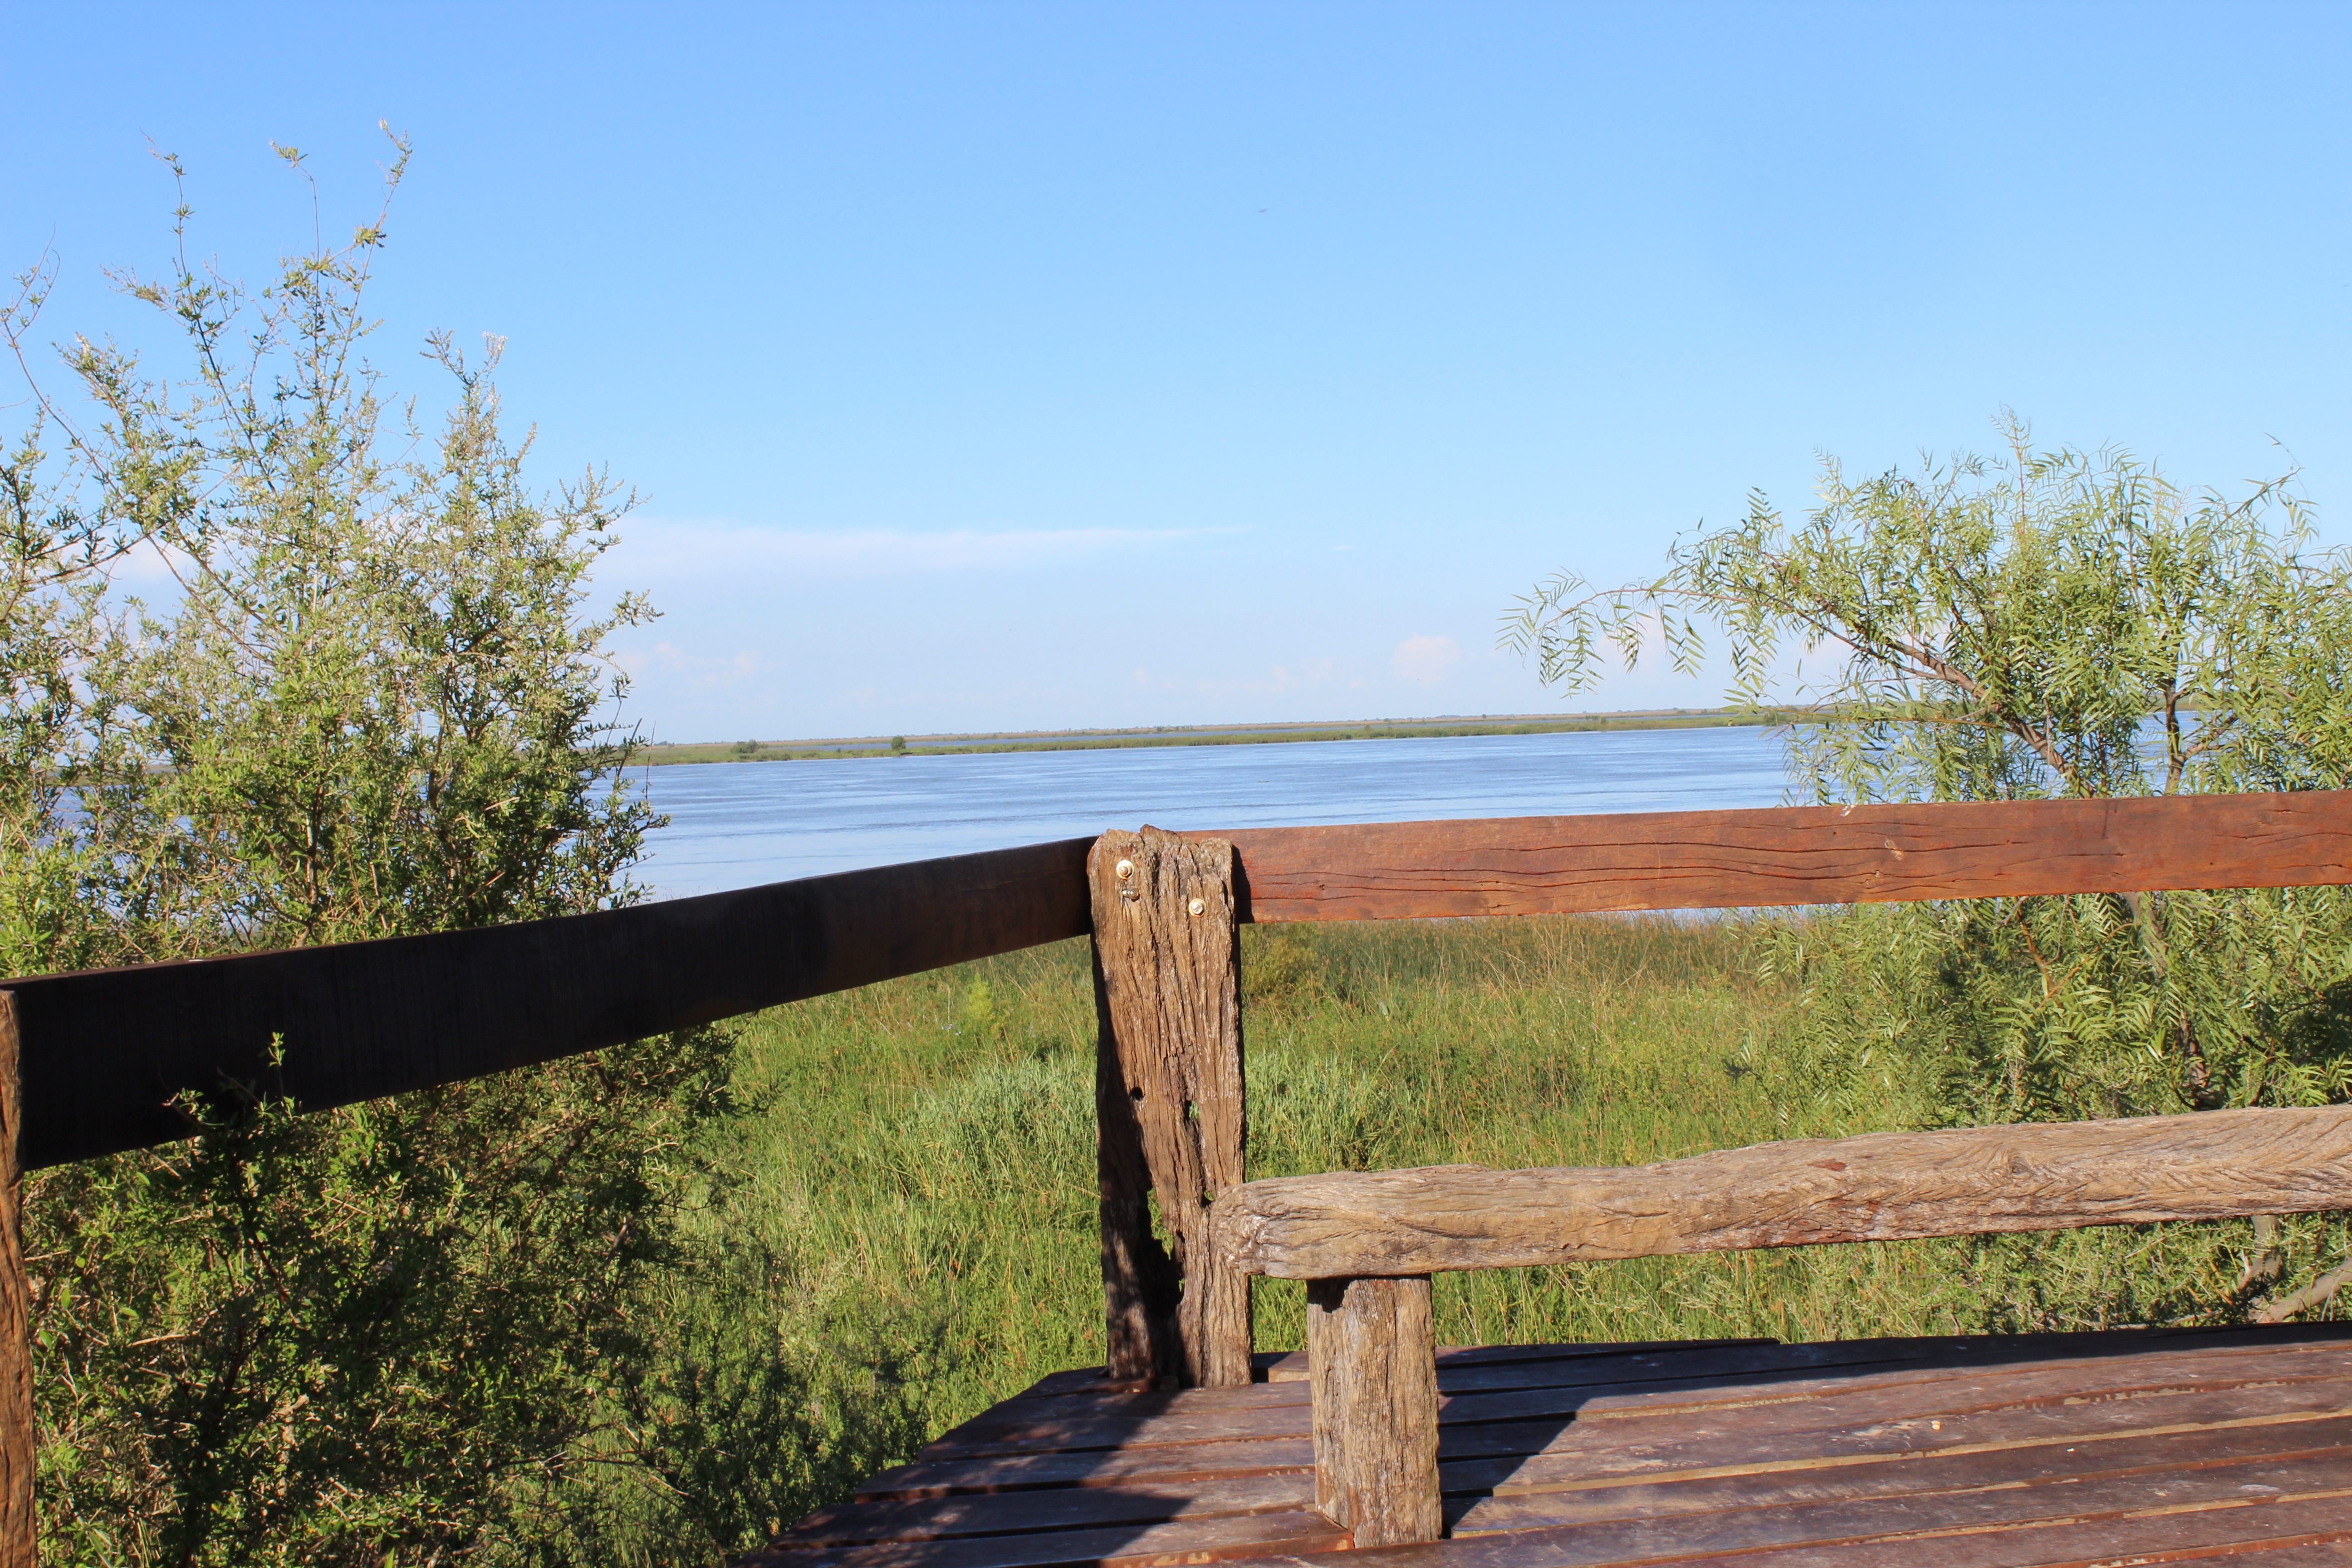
<point x="2027" y="1452"/>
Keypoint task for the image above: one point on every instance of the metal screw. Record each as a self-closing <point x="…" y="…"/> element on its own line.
<point x="1126" y="870"/>
<point x="1198" y="906"/>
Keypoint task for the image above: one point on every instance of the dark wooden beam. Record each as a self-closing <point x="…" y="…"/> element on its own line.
<point x="106" y="1051"/>
<point x="1796" y="855"/>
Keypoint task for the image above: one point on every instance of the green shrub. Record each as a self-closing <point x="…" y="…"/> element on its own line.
<point x="386" y="1333"/>
<point x="2054" y="623"/>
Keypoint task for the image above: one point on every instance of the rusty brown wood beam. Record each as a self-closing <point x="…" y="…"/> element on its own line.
<point x="1792" y="855"/>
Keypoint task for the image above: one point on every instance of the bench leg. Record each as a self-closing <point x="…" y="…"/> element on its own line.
<point x="1372" y="1356"/>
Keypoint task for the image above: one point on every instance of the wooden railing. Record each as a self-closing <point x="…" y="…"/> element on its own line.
<point x="95" y="1063"/>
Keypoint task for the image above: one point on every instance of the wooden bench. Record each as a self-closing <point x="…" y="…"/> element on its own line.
<point x="1367" y="1243"/>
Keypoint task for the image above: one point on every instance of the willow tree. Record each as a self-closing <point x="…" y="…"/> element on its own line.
<point x="2040" y="624"/>
<point x="373" y="702"/>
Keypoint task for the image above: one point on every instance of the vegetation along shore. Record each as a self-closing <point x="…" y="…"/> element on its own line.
<point x="1205" y="735"/>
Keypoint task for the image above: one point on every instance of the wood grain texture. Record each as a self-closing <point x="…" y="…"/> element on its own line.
<point x="1140" y="1284"/>
<point x="106" y="1051"/>
<point x="1513" y="1365"/>
<point x="1983" y="1450"/>
<point x="1881" y="1187"/>
<point x="1167" y="1545"/>
<point x="19" y="1522"/>
<point x="1065" y="1508"/>
<point x="2099" y="1537"/>
<point x="1797" y="855"/>
<point x="1371" y="1352"/>
<point x="1765" y="1463"/>
<point x="1729" y="1385"/>
<point x="1163" y="1466"/>
<point x="1168" y="1096"/>
<point x="2054" y="1462"/>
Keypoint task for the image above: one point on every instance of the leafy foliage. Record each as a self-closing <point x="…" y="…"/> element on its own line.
<point x="372" y="706"/>
<point x="2045" y="623"/>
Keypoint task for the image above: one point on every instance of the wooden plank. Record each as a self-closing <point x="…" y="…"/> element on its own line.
<point x="1834" y="1420"/>
<point x="1169" y="1097"/>
<point x="1886" y="1186"/>
<point x="1456" y="1363"/>
<point x="1793" y="855"/>
<point x="1713" y="1385"/>
<point x="1291" y="1367"/>
<point x="2194" y="1534"/>
<point x="106" y="1051"/>
<point x="1788" y="1440"/>
<point x="1098" y="1380"/>
<point x="19" y="1516"/>
<point x="1718" y="1402"/>
<point x="1369" y="1346"/>
<point x="1140" y="1546"/>
<point x="1067" y="1507"/>
<point x="2052" y="1461"/>
<point x="2170" y="1502"/>
<point x="1001" y="1431"/>
<point x="1493" y="1368"/>
<point x="1165" y="1464"/>
<point x="1047" y="1415"/>
<point x="2096" y="1498"/>
<point x="1018" y="1420"/>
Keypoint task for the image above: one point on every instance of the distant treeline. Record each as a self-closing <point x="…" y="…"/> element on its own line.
<point x="1239" y="735"/>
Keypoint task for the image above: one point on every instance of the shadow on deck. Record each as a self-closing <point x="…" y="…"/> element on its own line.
<point x="1992" y="1452"/>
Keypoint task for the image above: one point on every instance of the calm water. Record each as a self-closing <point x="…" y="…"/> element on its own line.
<point x="736" y="824"/>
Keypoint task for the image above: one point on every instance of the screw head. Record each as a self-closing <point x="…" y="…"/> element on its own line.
<point x="1126" y="870"/>
<point x="1198" y="906"/>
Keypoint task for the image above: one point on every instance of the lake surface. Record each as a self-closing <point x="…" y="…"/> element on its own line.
<point x="738" y="825"/>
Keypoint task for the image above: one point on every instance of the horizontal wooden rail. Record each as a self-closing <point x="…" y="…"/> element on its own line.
<point x="105" y="1051"/>
<point x="1886" y="1186"/>
<point x="1795" y="854"/>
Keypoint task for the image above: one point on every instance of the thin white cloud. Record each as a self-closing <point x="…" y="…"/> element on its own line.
<point x="663" y="548"/>
<point x="1424" y="659"/>
<point x="1278" y="680"/>
<point x="696" y="669"/>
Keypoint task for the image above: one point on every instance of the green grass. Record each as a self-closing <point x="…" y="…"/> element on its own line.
<point x="910" y="1233"/>
<point x="906" y="1233"/>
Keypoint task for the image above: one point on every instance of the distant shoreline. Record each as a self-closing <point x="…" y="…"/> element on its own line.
<point x="1203" y="735"/>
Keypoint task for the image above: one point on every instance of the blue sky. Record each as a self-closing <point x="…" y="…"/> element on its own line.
<point x="1018" y="365"/>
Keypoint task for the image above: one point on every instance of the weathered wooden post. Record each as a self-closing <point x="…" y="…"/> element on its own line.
<point x="19" y="1533"/>
<point x="1168" y="1093"/>
<point x="1371" y="1359"/>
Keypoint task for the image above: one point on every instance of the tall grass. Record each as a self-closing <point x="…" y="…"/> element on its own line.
<point x="909" y="1235"/>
